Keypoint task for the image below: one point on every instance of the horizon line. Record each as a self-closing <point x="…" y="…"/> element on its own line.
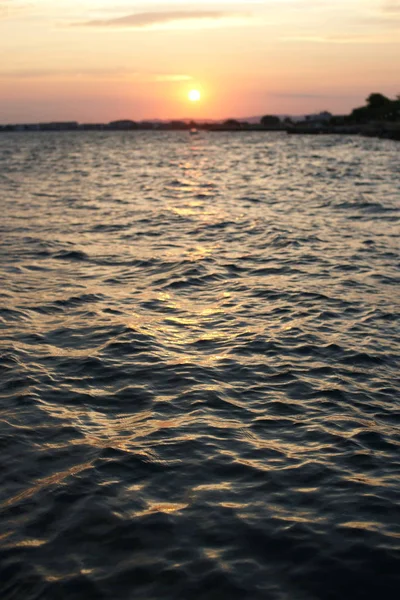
<point x="169" y="120"/>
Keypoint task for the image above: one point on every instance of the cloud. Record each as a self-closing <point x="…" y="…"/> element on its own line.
<point x="120" y="74"/>
<point x="340" y="39"/>
<point x="9" y="8"/>
<point x="387" y="15"/>
<point x="391" y="7"/>
<point x="298" y="95"/>
<point x="166" y="78"/>
<point x="390" y="13"/>
<point x="147" y="20"/>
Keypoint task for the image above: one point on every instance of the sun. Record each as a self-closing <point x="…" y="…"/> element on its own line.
<point x="194" y="95"/>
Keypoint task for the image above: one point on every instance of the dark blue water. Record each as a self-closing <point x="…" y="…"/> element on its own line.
<point x="199" y="375"/>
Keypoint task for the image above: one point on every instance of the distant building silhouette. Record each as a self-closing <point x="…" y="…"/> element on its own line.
<point x="59" y="126"/>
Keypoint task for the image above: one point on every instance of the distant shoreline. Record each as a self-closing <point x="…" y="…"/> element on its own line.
<point x="379" y="117"/>
<point x="383" y="130"/>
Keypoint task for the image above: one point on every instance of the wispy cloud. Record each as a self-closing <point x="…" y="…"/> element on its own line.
<point x="392" y="6"/>
<point x="146" y="20"/>
<point x="300" y="95"/>
<point x="167" y="78"/>
<point x="4" y="6"/>
<point x="9" y="8"/>
<point x="340" y="39"/>
<point x="120" y="74"/>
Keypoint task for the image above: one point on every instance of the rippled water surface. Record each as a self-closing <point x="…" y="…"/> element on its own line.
<point x="199" y="392"/>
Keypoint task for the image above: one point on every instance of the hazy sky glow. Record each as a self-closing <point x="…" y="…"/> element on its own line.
<point x="97" y="60"/>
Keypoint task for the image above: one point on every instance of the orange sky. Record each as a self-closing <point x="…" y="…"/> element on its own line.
<point x="98" y="60"/>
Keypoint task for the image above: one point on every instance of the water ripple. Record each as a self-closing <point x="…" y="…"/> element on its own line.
<point x="199" y="367"/>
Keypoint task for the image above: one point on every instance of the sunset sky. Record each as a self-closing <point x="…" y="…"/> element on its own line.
<point x="98" y="60"/>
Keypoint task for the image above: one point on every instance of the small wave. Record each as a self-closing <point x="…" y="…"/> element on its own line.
<point x="199" y="369"/>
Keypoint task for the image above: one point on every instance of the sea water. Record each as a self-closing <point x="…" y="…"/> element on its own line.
<point x="199" y="393"/>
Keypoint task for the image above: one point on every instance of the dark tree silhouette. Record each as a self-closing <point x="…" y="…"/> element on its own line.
<point x="123" y="124"/>
<point x="378" y="108"/>
<point x="377" y="101"/>
<point x="269" y="120"/>
<point x="232" y="123"/>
